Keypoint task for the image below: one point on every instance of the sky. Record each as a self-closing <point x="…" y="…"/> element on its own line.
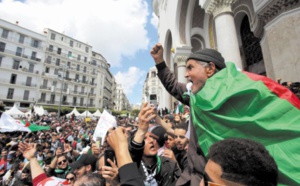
<point x="123" y="31"/>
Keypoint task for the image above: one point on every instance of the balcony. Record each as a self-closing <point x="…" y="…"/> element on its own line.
<point x="42" y="87"/>
<point x="28" y="84"/>
<point x="20" y="55"/>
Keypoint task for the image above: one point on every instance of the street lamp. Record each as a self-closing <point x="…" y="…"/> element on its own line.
<point x="64" y="68"/>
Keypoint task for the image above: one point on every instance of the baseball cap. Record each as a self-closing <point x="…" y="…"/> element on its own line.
<point x="84" y="160"/>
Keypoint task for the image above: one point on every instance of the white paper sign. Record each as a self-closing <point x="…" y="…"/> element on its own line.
<point x="105" y="122"/>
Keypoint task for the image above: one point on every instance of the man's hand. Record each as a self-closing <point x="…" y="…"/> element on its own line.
<point x="157" y="53"/>
<point x="146" y="114"/>
<point x="67" y="148"/>
<point x="58" y="151"/>
<point x="28" y="150"/>
<point x="110" y="173"/>
<point x="169" y="154"/>
<point x="95" y="150"/>
<point x="117" y="139"/>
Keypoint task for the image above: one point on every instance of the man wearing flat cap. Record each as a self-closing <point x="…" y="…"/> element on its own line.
<point x="200" y="66"/>
<point x="227" y="103"/>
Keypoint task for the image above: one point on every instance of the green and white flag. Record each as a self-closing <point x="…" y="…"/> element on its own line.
<point x="9" y="124"/>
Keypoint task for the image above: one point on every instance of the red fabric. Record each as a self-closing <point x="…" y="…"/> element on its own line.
<point x="38" y="179"/>
<point x="281" y="91"/>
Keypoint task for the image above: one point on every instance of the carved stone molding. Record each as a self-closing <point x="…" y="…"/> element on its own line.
<point x="217" y="7"/>
<point x="180" y="60"/>
<point x="275" y="8"/>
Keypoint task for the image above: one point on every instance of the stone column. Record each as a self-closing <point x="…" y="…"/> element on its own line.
<point x="227" y="40"/>
<point x="180" y="61"/>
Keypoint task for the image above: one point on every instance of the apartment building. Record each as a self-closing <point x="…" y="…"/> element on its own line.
<point x="152" y="85"/>
<point x="121" y="101"/>
<point x="51" y="69"/>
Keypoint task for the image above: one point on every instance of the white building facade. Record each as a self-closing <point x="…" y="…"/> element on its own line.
<point x="152" y="85"/>
<point x="121" y="101"/>
<point x="258" y="36"/>
<point x="51" y="69"/>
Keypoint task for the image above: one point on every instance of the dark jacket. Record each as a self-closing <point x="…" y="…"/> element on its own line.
<point x="191" y="175"/>
<point x="132" y="179"/>
<point x="169" y="172"/>
<point x="181" y="158"/>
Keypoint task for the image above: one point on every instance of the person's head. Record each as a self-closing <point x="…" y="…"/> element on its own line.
<point x="4" y="153"/>
<point x="179" y="134"/>
<point x="170" y="142"/>
<point x="50" y="153"/>
<point x="201" y="65"/>
<point x="240" y="161"/>
<point x="62" y="162"/>
<point x="70" y="178"/>
<point x="85" y="164"/>
<point x="91" y="179"/>
<point x="159" y="133"/>
<point x="25" y="174"/>
<point x="150" y="148"/>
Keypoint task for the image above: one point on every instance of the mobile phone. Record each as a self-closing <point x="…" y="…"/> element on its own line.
<point x="109" y="154"/>
<point x="152" y="100"/>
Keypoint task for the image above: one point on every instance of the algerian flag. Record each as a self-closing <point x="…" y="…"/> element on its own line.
<point x="245" y="105"/>
<point x="9" y="124"/>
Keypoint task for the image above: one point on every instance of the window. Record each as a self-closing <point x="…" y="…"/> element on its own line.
<point x="69" y="54"/>
<point x="28" y="81"/>
<point x="35" y="43"/>
<point x="85" y="59"/>
<point x="52" y="36"/>
<point x="67" y="74"/>
<point x="74" y="100"/>
<point x="56" y="71"/>
<point x="21" y="39"/>
<point x="33" y="55"/>
<point x="19" y="51"/>
<point x="59" y="51"/>
<point x="2" y="46"/>
<point x="52" y="98"/>
<point x="10" y="93"/>
<point x="82" y="90"/>
<point x="47" y="70"/>
<point x="49" y="58"/>
<point x="81" y="101"/>
<point x="86" y="49"/>
<point x="26" y="95"/>
<point x="153" y="74"/>
<point x="83" y="79"/>
<point x="43" y="97"/>
<point x="84" y="69"/>
<point x="0" y="60"/>
<point x="54" y="83"/>
<point x="31" y="68"/>
<point x="91" y="102"/>
<point x="78" y="67"/>
<point x="16" y="65"/>
<point x="76" y="76"/>
<point x="78" y="57"/>
<point x="69" y="64"/>
<point x="45" y="82"/>
<point x="13" y="78"/>
<point x="64" y="99"/>
<point x="75" y="89"/>
<point x="71" y="43"/>
<point x="92" y="90"/>
<point x="50" y="48"/>
<point x="4" y="33"/>
<point x="57" y="63"/>
<point x="62" y="38"/>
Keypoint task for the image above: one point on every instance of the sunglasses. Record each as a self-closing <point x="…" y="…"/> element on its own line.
<point x="61" y="162"/>
<point x="70" y="179"/>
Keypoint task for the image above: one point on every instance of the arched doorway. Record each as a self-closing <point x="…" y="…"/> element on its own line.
<point x="252" y="49"/>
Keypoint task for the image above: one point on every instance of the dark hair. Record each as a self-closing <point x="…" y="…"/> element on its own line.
<point x="181" y="125"/>
<point x="92" y="179"/>
<point x="244" y="161"/>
